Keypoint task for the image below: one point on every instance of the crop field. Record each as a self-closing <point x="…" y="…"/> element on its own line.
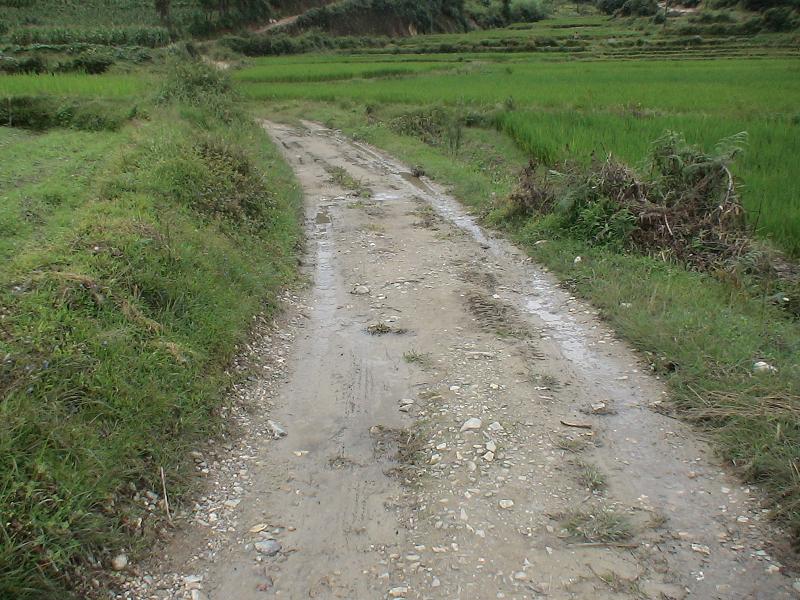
<point x="74" y="84"/>
<point x="266" y="70"/>
<point x="567" y="110"/>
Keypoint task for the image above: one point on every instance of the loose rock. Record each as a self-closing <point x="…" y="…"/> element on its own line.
<point x="277" y="429"/>
<point x="119" y="562"/>
<point x="471" y="424"/>
<point x="268" y="547"/>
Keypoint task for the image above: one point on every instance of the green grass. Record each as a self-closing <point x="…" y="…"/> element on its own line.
<point x="701" y="333"/>
<point x="132" y="265"/>
<point x="288" y="70"/>
<point x="598" y="526"/>
<point x="566" y="110"/>
<point x="76" y="84"/>
<point x="741" y="87"/>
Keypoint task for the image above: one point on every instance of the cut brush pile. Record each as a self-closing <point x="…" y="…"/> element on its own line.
<point x="686" y="207"/>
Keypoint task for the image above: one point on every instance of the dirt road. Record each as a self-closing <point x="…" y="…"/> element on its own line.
<point x="457" y="427"/>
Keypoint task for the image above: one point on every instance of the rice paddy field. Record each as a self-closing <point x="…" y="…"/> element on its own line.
<point x="75" y="85"/>
<point x="569" y="109"/>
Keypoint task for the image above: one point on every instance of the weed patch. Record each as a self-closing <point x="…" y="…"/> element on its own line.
<point x="42" y="112"/>
<point x="422" y="359"/>
<point x="115" y="336"/>
<point x="687" y="208"/>
<point x="343" y="179"/>
<point x="598" y="525"/>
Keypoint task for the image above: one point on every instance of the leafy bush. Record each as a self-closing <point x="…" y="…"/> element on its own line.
<point x="27" y="64"/>
<point x="780" y="18"/>
<point x="42" y="112"/>
<point x="763" y="5"/>
<point x="434" y="126"/>
<point x="609" y="6"/>
<point x="486" y="14"/>
<point x="194" y="83"/>
<point x="527" y="11"/>
<point x="639" y="8"/>
<point x="92" y="63"/>
<point x="712" y="17"/>
<point x="389" y="16"/>
<point x="280" y="44"/>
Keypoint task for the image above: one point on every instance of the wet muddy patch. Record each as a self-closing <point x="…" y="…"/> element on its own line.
<point x="496" y="316"/>
<point x="484" y="279"/>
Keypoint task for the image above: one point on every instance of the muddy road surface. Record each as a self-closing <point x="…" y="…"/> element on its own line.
<point x="456" y="426"/>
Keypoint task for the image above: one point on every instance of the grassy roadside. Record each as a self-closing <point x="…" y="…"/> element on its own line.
<point x="702" y="334"/>
<point x="132" y="264"/>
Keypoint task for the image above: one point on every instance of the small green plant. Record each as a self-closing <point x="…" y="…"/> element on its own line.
<point x="342" y="178"/>
<point x="599" y="525"/>
<point x="453" y="135"/>
<point x="591" y="476"/>
<point x="379" y="328"/>
<point x="575" y="445"/>
<point x="418" y="358"/>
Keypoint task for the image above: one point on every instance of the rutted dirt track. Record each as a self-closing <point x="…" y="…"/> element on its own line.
<point x="415" y="324"/>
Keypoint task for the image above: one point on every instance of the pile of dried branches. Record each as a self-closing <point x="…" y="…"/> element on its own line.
<point x="686" y="207"/>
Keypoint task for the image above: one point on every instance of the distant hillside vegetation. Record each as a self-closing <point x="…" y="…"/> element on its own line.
<point x="204" y="17"/>
<point x="384" y="17"/>
<point x="182" y="17"/>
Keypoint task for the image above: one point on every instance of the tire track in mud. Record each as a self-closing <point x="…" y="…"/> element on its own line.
<point x="442" y="462"/>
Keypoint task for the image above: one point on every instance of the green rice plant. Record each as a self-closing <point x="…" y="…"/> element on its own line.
<point x="575" y="111"/>
<point x="75" y="84"/>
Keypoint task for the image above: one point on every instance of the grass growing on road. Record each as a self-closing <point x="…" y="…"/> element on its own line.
<point x="132" y="264"/>
<point x="600" y="525"/>
<point x="343" y="179"/>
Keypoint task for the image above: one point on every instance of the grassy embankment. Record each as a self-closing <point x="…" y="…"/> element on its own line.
<point x="701" y="331"/>
<point x="132" y="263"/>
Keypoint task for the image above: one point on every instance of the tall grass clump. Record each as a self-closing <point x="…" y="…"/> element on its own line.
<point x="193" y="83"/>
<point x="115" y="334"/>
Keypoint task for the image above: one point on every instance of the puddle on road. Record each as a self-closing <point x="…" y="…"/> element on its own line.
<point x="385" y="197"/>
<point x="322" y="217"/>
<point x="417" y="182"/>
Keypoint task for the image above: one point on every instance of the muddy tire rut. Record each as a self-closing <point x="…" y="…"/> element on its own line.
<point x="457" y="426"/>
